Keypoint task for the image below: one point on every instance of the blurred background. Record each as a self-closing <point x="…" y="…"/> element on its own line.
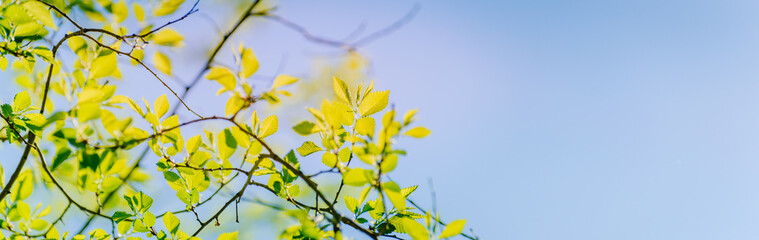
<point x="550" y="119"/>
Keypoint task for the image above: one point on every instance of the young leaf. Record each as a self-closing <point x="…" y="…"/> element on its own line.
<point x="365" y="126"/>
<point x="227" y="144"/>
<point x="351" y="203"/>
<point x="103" y="66"/>
<point x="162" y="62"/>
<point x="269" y="126"/>
<point x="161" y="106"/>
<point x="341" y="89"/>
<point x="308" y="147"/>
<point x="120" y="11"/>
<point x="167" y="37"/>
<point x="373" y="103"/>
<point x="21" y="101"/>
<point x="167" y="7"/>
<point x="454" y="228"/>
<point x="418" y="132"/>
<point x="171" y="222"/>
<point x="224" y="76"/>
<point x="305" y="128"/>
<point x="228" y="236"/>
<point x="249" y="63"/>
<point x="283" y="80"/>
<point x="40" y="12"/>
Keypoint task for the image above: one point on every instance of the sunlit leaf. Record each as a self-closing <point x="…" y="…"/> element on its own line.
<point x="162" y="63"/>
<point x="373" y="103"/>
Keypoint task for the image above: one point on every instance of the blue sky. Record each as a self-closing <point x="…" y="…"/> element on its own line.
<point x="558" y="119"/>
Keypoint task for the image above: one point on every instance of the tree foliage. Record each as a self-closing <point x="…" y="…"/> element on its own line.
<point x="85" y="142"/>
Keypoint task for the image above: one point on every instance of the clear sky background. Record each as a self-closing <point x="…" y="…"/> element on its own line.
<point x="554" y="119"/>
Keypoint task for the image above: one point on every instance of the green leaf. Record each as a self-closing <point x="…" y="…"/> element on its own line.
<point x="24" y="186"/>
<point x="249" y="63"/>
<point x="90" y="95"/>
<point x="269" y="126"/>
<point x="224" y="76"/>
<point x="351" y="203"/>
<point x="39" y="224"/>
<point x="388" y="164"/>
<point x="88" y="111"/>
<point x="21" y="101"/>
<point x="393" y="192"/>
<point x="418" y="132"/>
<point x="355" y="177"/>
<point x="123" y="227"/>
<point x="454" y="228"/>
<point x="161" y="106"/>
<point x="305" y="128"/>
<point x="283" y="80"/>
<point x="227" y="144"/>
<point x="341" y="89"/>
<point x="308" y="147"/>
<point x="373" y="103"/>
<point x="119" y="216"/>
<point x="40" y="12"/>
<point x="103" y="66"/>
<point x="416" y="230"/>
<point x="162" y="62"/>
<point x="171" y="222"/>
<point x="193" y="144"/>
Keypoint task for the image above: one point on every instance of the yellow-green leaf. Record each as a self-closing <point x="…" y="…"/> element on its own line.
<point x="373" y="103"/>
<point x="227" y="144"/>
<point x="103" y="66"/>
<point x="3" y="63"/>
<point x="233" y="105"/>
<point x="40" y="12"/>
<point x="168" y="37"/>
<point x="162" y="62"/>
<point x="24" y="186"/>
<point x="269" y="126"/>
<point x="341" y="89"/>
<point x="88" y="111"/>
<point x="305" y="128"/>
<point x="224" y="76"/>
<point x="329" y="159"/>
<point x="139" y="13"/>
<point x="283" y="80"/>
<point x="355" y="177"/>
<point x="365" y="126"/>
<point x="249" y="63"/>
<point x="454" y="228"/>
<point x="308" y="147"/>
<point x="21" y="101"/>
<point x="409" y="116"/>
<point x="171" y="222"/>
<point x="167" y="7"/>
<point x="393" y="192"/>
<point x="418" y="132"/>
<point x="120" y="11"/>
<point x="161" y="106"/>
<point x="228" y="236"/>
